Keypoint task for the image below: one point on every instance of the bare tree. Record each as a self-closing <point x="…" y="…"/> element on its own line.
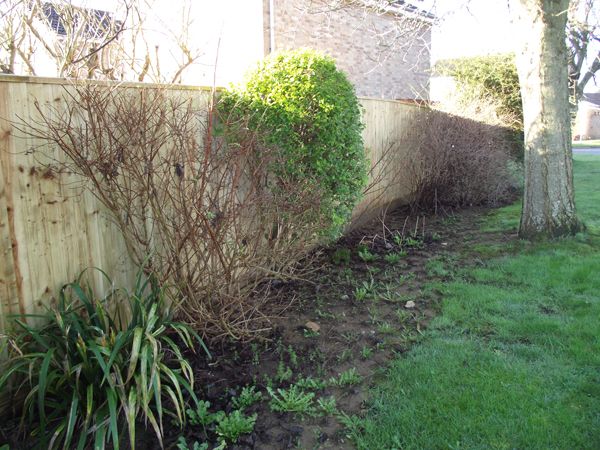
<point x="88" y="43"/>
<point x="583" y="29"/>
<point x="548" y="203"/>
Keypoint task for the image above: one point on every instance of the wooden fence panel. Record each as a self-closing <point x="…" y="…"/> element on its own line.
<point x="393" y="132"/>
<point x="51" y="229"/>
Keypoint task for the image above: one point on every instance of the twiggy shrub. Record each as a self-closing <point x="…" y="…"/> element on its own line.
<point x="298" y="102"/>
<point x="205" y="210"/>
<point x="92" y="368"/>
<point x="462" y="162"/>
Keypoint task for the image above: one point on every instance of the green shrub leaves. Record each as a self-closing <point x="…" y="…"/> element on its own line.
<point x="300" y="103"/>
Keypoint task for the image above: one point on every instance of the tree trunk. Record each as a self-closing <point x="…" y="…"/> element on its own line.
<point x="548" y="202"/>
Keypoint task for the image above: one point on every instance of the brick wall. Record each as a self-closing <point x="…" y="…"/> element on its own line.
<point x="384" y="55"/>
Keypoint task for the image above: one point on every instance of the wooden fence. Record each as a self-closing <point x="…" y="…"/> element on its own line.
<point x="51" y="229"/>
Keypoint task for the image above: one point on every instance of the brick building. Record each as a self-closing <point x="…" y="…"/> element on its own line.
<point x="384" y="51"/>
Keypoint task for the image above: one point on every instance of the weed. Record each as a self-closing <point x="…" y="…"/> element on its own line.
<point x="407" y="277"/>
<point x="394" y="258"/>
<point x="284" y="373"/>
<point x="324" y="314"/>
<point x="366" y="352"/>
<point x="372" y="270"/>
<point x="247" y="398"/>
<point x="403" y="315"/>
<point x="380" y="345"/>
<point x="293" y="399"/>
<point x="315" y="355"/>
<point x="310" y="333"/>
<point x="293" y="356"/>
<point x="366" y="255"/>
<point x="255" y="354"/>
<point x="346" y="274"/>
<point x="183" y="445"/>
<point x="398" y="239"/>
<point x="231" y="426"/>
<point x="328" y="406"/>
<point x="312" y="384"/>
<point x="365" y="290"/>
<point x="349" y="377"/>
<point x="413" y="242"/>
<point x="350" y="336"/>
<point x="373" y="315"/>
<point x="450" y="220"/>
<point x="360" y="294"/>
<point x="341" y="256"/>
<point x="385" y="328"/>
<point x="201" y="415"/>
<point x="268" y="381"/>
<point x="346" y="355"/>
<point x="353" y="424"/>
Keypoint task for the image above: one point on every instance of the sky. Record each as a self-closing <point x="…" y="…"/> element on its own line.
<point x="473" y="27"/>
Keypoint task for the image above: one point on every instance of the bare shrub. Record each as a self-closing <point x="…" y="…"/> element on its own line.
<point x="204" y="212"/>
<point x="462" y="162"/>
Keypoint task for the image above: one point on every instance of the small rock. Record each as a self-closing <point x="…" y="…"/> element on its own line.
<point x="345" y="297"/>
<point x="444" y="244"/>
<point x="388" y="246"/>
<point x="410" y="304"/>
<point x="312" y="326"/>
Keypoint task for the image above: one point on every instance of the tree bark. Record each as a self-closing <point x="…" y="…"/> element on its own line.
<point x="548" y="201"/>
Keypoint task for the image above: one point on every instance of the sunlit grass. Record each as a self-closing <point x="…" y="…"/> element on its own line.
<point x="587" y="144"/>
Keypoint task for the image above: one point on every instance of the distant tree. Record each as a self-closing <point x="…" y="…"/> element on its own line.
<point x="548" y="202"/>
<point x="583" y="29"/>
<point x="83" y="42"/>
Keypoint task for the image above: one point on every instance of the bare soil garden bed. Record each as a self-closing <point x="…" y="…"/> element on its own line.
<point x="360" y="308"/>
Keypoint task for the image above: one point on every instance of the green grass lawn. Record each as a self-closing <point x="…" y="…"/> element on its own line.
<point x="586" y="144"/>
<point x="513" y="360"/>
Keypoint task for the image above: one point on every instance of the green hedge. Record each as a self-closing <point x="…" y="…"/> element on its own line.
<point x="300" y="103"/>
<point x="492" y="76"/>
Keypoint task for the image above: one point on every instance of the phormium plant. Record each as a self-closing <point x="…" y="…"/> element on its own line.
<point x="299" y="102"/>
<point x="97" y="364"/>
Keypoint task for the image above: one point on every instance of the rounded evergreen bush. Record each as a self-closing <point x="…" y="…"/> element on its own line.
<point x="300" y="103"/>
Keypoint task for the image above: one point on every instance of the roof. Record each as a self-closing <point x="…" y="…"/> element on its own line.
<point x="417" y="9"/>
<point x="97" y="23"/>
<point x="404" y="6"/>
